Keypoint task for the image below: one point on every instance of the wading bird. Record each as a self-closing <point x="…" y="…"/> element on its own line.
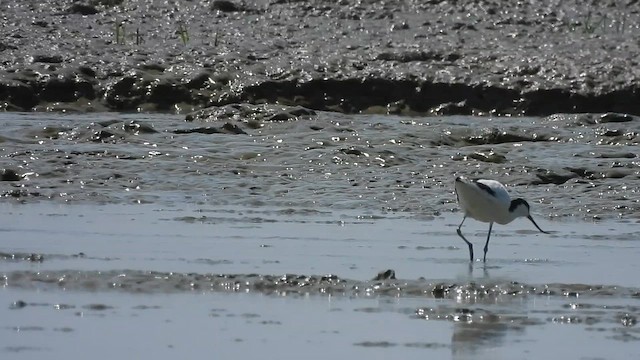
<point x="488" y="201"/>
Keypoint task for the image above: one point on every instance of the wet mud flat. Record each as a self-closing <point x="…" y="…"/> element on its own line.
<point x="401" y="57"/>
<point x="194" y="279"/>
<point x="582" y="166"/>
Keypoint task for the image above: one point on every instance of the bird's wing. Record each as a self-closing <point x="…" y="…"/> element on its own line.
<point x="499" y="191"/>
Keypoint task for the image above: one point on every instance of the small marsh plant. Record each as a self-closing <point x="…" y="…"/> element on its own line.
<point x="614" y="20"/>
<point x="183" y="33"/>
<point x="120" y="33"/>
<point x="590" y="25"/>
<point x="139" y="38"/>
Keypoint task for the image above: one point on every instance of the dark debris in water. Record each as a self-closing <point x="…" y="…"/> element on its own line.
<point x="381" y="344"/>
<point x="18" y="305"/>
<point x="9" y="175"/>
<point x="386" y="275"/>
<point x="628" y="320"/>
<point x="97" y="307"/>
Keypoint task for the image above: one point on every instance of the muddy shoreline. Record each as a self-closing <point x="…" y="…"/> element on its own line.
<point x="132" y="281"/>
<point x="400" y="57"/>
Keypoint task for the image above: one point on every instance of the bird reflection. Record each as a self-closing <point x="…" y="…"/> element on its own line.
<point x="485" y="271"/>
<point x="478" y="331"/>
<point x="476" y="337"/>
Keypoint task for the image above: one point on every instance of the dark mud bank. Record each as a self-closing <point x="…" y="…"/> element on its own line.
<point x="401" y="57"/>
<point x="407" y="97"/>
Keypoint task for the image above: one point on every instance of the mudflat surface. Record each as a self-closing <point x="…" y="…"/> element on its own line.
<point x="404" y="57"/>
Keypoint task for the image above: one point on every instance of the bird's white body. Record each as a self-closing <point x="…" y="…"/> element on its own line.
<point x="488" y="201"/>
<point x="484" y="200"/>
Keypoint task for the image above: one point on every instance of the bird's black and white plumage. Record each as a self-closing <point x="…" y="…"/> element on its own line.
<point x="488" y="201"/>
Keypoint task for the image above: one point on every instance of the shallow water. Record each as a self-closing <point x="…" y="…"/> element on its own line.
<point x="250" y="326"/>
<point x="185" y="286"/>
<point x="172" y="244"/>
<point x="356" y="245"/>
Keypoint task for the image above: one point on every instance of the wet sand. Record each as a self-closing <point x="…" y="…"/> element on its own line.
<point x="160" y="284"/>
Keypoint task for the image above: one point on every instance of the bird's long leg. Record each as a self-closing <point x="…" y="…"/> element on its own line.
<point x="465" y="240"/>
<point x="486" y="245"/>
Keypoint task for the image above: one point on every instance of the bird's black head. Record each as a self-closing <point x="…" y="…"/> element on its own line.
<point x="518" y="204"/>
<point x="520" y="207"/>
